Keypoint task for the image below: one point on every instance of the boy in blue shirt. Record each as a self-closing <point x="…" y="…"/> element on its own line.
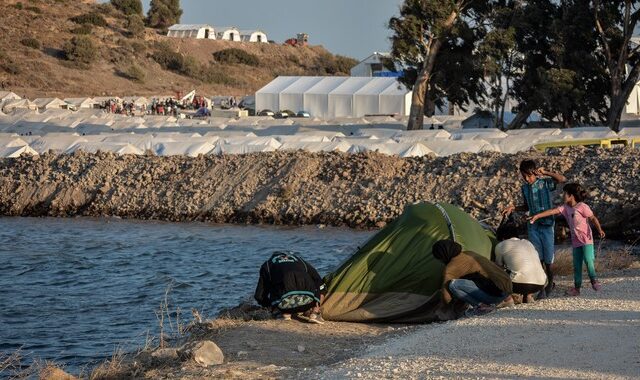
<point x="536" y="191"/>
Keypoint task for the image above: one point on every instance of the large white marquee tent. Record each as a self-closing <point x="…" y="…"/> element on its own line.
<point x="335" y="97"/>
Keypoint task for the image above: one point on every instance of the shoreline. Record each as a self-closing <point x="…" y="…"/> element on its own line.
<point x="363" y="191"/>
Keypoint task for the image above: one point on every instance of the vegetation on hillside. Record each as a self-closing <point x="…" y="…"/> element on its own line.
<point x="164" y="13"/>
<point x="73" y="48"/>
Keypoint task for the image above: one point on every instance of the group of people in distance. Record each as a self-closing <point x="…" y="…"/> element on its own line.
<point x="292" y="287"/>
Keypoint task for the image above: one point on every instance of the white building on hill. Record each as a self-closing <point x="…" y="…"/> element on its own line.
<point x="197" y="31"/>
<point x="335" y="97"/>
<point x="253" y="36"/>
<point x="228" y="33"/>
<point x="372" y="66"/>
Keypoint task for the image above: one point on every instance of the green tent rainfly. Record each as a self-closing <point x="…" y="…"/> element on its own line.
<point x="394" y="277"/>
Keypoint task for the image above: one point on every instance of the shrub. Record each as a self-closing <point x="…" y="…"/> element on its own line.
<point x="8" y="65"/>
<point x="135" y="25"/>
<point x="216" y="75"/>
<point x="190" y="67"/>
<point x="83" y="29"/>
<point x="34" y="9"/>
<point x="80" y="49"/>
<point x="168" y="59"/>
<point x="31" y="42"/>
<point x="18" y="5"/>
<point x="92" y="18"/>
<point x="236" y="56"/>
<point x="128" y="7"/>
<point x="134" y="73"/>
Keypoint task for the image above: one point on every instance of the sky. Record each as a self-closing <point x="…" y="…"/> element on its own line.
<point x="355" y="28"/>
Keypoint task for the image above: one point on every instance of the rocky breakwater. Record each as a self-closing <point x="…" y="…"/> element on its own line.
<point x="364" y="190"/>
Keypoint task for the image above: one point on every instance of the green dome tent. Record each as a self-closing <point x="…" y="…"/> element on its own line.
<point x="394" y="277"/>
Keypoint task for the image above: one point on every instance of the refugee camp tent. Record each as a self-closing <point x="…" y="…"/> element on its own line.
<point x="341" y="99"/>
<point x="56" y="143"/>
<point x="313" y="146"/>
<point x="268" y="97"/>
<point x="588" y="133"/>
<point x="316" y="99"/>
<point x="197" y="31"/>
<point x="421" y="135"/>
<point x="8" y="95"/>
<point x="16" y="151"/>
<point x="50" y="103"/>
<point x="79" y="103"/>
<point x="253" y="36"/>
<point x="394" y="276"/>
<point x="292" y="97"/>
<point x="449" y="147"/>
<point x="227" y="33"/>
<point x="184" y="148"/>
<point x="93" y="147"/>
<point x="14" y="104"/>
<point x="335" y="97"/>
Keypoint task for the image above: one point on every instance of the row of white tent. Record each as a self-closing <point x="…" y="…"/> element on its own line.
<point x="387" y="141"/>
<point x="335" y="97"/>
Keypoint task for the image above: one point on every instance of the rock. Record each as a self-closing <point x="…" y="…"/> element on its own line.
<point x="301" y="348"/>
<point x="205" y="353"/>
<point x="165" y="354"/>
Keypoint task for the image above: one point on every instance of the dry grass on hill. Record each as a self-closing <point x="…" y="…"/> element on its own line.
<point x="32" y="60"/>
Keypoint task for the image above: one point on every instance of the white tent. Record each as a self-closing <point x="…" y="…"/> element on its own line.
<point x="335" y="97"/>
<point x="16" y="151"/>
<point x="13" y="104"/>
<point x="292" y="97"/>
<point x="341" y="99"/>
<point x="268" y="97"/>
<point x="450" y="147"/>
<point x="197" y="31"/>
<point x="311" y="146"/>
<point x="93" y="147"/>
<point x="8" y="95"/>
<point x="50" y="103"/>
<point x="184" y="148"/>
<point x="629" y="131"/>
<point x="477" y="134"/>
<point x="81" y="102"/>
<point x="421" y="135"/>
<point x="227" y="33"/>
<point x="12" y="141"/>
<point x="222" y="148"/>
<point x="253" y="36"/>
<point x="56" y="143"/>
<point x="382" y="96"/>
<point x="588" y="133"/>
<point x="316" y="98"/>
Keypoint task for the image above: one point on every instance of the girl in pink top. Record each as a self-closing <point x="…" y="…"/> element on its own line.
<point x="578" y="216"/>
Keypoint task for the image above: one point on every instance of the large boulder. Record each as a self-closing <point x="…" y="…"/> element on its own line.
<point x="205" y="353"/>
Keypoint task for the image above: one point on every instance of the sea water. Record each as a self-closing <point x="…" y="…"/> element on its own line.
<point x="75" y="290"/>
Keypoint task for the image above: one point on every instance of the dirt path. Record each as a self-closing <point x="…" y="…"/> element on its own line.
<point x="595" y="336"/>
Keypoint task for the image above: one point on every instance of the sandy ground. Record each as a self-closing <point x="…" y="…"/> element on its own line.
<point x="594" y="336"/>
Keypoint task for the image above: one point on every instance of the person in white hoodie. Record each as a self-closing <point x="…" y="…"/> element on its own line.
<point x="521" y="261"/>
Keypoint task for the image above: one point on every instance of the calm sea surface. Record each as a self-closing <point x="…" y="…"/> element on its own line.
<point x="73" y="290"/>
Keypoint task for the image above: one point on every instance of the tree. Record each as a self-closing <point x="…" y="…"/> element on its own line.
<point x="164" y="13"/>
<point x="135" y="25"/>
<point x="559" y="71"/>
<point x="422" y="32"/>
<point x="128" y="7"/>
<point x="615" y="22"/>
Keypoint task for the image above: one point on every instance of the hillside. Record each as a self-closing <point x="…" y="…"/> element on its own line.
<point x="33" y="62"/>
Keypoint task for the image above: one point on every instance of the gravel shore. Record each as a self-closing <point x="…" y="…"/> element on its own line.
<point x="363" y="190"/>
<point x="595" y="336"/>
